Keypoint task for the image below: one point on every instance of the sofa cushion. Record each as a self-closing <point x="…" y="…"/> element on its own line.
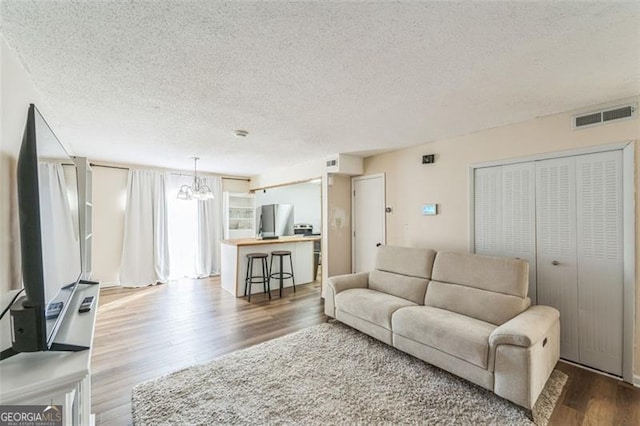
<point x="370" y="305"/>
<point x="414" y="262"/>
<point x="499" y="274"/>
<point x="488" y="306"/>
<point x="457" y="335"/>
<point x="410" y="288"/>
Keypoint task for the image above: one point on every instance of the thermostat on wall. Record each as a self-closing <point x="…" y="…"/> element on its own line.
<point x="430" y="209"/>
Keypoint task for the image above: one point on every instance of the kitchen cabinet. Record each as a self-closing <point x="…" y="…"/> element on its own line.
<point x="239" y="213"/>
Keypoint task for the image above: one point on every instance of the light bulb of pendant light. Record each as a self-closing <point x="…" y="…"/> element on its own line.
<point x="185" y="193"/>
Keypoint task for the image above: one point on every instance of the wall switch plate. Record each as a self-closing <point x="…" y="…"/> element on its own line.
<point x="429" y="209"/>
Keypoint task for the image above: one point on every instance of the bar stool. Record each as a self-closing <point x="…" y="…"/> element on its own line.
<point x="282" y="275"/>
<point x="257" y="279"/>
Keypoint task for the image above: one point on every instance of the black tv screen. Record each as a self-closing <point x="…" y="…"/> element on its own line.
<point x="49" y="233"/>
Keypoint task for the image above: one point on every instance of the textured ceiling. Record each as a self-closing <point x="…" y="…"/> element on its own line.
<point x="157" y="82"/>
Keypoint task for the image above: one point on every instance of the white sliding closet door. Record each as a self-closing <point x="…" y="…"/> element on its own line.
<point x="600" y="259"/>
<point x="518" y="237"/>
<point x="505" y="214"/>
<point x="556" y="247"/>
<point x="488" y="210"/>
<point x="565" y="217"/>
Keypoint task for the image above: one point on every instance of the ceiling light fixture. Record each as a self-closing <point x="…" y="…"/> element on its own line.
<point x="197" y="190"/>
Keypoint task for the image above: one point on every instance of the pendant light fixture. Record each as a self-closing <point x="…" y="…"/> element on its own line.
<point x="198" y="190"/>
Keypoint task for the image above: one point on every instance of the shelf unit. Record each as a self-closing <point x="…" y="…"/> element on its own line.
<point x="239" y="215"/>
<point x="85" y="212"/>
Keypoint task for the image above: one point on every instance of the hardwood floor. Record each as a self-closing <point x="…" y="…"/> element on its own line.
<point x="148" y="332"/>
<point x="593" y="399"/>
<point x="145" y="333"/>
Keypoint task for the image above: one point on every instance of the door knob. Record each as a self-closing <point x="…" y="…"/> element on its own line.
<point x="555" y="263"/>
<point x="378" y="245"/>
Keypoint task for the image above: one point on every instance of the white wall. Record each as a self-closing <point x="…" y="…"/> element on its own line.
<point x="18" y="91"/>
<point x="305" y="197"/>
<point x="289" y="174"/>
<point x="336" y="241"/>
<point x="409" y="184"/>
<point x="235" y="185"/>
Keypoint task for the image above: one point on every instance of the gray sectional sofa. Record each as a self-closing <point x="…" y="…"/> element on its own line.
<point x="465" y="313"/>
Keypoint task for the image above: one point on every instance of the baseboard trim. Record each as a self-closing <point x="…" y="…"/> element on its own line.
<point x="602" y="373"/>
<point x="107" y="285"/>
<point x="636" y="380"/>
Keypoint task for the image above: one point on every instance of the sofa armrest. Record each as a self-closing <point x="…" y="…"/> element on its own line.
<point x="341" y="283"/>
<point x="523" y="353"/>
<point x="345" y="282"/>
<point x="525" y="329"/>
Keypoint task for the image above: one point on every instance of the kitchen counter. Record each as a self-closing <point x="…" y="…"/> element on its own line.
<point x="234" y="261"/>
<point x="281" y="240"/>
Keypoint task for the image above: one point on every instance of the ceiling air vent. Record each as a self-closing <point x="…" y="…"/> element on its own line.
<point x="604" y="116"/>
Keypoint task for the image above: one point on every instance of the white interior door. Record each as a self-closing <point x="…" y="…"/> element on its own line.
<point x="518" y="221"/>
<point x="567" y="222"/>
<point x="368" y="212"/>
<point x="600" y="260"/>
<point x="556" y="247"/>
<point x="505" y="214"/>
<point x="488" y="210"/>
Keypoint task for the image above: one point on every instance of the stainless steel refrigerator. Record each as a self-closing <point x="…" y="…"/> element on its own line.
<point x="274" y="220"/>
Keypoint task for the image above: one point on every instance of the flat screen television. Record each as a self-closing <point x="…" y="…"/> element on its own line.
<point x="47" y="186"/>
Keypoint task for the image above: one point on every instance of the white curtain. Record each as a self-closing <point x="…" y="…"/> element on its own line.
<point x="195" y="230"/>
<point x="59" y="228"/>
<point x="209" y="230"/>
<point x="145" y="251"/>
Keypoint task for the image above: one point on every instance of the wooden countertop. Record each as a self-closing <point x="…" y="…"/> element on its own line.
<point x="281" y="240"/>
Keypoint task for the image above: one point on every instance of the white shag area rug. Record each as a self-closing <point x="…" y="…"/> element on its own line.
<point x="326" y="374"/>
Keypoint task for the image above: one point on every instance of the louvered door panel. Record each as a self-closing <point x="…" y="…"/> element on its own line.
<point x="600" y="259"/>
<point x="505" y="214"/>
<point x="488" y="194"/>
<point x="556" y="247"/>
<point x="519" y="216"/>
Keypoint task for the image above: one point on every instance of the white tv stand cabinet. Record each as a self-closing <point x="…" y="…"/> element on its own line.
<point x="54" y="378"/>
